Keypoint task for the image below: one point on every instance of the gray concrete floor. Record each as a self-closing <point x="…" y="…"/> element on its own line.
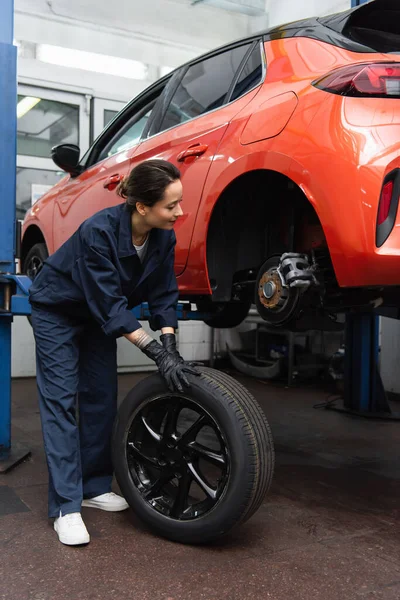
<point x="328" y="530"/>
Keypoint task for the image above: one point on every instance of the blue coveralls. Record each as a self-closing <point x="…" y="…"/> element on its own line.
<point x="81" y="302"/>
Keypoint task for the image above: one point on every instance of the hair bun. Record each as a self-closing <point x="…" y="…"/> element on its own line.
<point x="122" y="189"/>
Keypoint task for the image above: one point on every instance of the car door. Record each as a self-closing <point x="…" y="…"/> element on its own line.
<point x="108" y="163"/>
<point x="188" y="131"/>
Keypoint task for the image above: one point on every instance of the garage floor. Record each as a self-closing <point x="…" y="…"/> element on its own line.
<point x="329" y="529"/>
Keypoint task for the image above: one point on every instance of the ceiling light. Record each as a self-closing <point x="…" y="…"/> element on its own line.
<point x="25" y="105"/>
<point x="91" y="61"/>
<point x="247" y="7"/>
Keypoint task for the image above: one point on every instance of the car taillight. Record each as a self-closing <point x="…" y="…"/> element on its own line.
<point x="384" y="203"/>
<point x="388" y="206"/>
<point x="379" y="80"/>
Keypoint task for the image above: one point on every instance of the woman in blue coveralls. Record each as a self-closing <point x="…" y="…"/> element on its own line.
<point x="81" y="302"/>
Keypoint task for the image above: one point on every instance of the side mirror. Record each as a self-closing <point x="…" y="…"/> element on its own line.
<point x="66" y="156"/>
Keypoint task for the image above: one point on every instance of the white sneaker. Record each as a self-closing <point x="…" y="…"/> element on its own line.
<point x="71" y="530"/>
<point x="110" y="501"/>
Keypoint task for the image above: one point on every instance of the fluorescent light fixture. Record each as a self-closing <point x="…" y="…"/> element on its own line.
<point x="25" y="105"/>
<point x="246" y="7"/>
<point x="91" y="61"/>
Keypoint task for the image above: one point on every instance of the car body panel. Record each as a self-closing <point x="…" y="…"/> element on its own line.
<point x="269" y="118"/>
<point x="84" y="195"/>
<point x="207" y="130"/>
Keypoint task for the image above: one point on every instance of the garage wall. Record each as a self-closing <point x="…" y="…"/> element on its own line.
<point x="129" y="358"/>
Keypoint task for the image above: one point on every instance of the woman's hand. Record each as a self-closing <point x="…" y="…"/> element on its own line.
<point x="168" y="340"/>
<point x="172" y="367"/>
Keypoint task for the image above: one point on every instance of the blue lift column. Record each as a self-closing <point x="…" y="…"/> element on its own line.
<point x="8" y="136"/>
<point x="364" y="393"/>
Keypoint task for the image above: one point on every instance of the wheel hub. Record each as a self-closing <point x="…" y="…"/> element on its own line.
<point x="270" y="290"/>
<point x="171" y="455"/>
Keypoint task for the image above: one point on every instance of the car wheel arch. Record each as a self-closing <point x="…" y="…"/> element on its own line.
<point x="31" y="236"/>
<point x="240" y="207"/>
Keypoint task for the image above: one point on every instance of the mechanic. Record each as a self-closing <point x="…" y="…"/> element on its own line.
<point x="81" y="302"/>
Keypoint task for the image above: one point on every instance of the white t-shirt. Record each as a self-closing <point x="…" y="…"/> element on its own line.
<point x="141" y="250"/>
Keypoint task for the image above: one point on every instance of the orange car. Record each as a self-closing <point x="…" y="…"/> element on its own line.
<point x="289" y="147"/>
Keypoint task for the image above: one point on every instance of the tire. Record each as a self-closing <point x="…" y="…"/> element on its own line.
<point x="224" y="316"/>
<point x="239" y="471"/>
<point x="33" y="263"/>
<point x="34" y="260"/>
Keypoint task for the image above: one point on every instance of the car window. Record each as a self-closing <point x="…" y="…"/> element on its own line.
<point x="204" y="86"/>
<point x="251" y="74"/>
<point x="128" y="127"/>
<point x="129" y="135"/>
<point x="373" y="25"/>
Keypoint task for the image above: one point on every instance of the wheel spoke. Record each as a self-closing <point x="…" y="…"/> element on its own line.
<point x="181" y="500"/>
<point x="171" y="420"/>
<point x="156" y="436"/>
<point x="216" y="458"/>
<point x="191" y="434"/>
<point x="210" y="492"/>
<point x="148" y="461"/>
<point x="157" y="485"/>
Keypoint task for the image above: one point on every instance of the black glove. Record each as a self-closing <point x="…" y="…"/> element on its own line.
<point x="168" y="340"/>
<point x="171" y="368"/>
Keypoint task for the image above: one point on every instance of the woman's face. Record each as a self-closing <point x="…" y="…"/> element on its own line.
<point x="164" y="213"/>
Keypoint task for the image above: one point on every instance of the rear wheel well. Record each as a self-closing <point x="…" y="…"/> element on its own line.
<point x="260" y="214"/>
<point x="32" y="236"/>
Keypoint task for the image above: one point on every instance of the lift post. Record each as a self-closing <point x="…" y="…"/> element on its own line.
<point x="364" y="393"/>
<point x="8" y="152"/>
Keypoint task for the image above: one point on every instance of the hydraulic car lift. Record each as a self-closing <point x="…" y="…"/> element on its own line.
<point x="364" y="392"/>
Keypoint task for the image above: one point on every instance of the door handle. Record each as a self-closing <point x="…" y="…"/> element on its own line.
<point x="113" y="180"/>
<point x="196" y="150"/>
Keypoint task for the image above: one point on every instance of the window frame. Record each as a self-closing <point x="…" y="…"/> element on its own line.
<point x="129" y="123"/>
<point x="97" y="107"/>
<point x="122" y="119"/>
<point x="242" y="66"/>
<point x="56" y="95"/>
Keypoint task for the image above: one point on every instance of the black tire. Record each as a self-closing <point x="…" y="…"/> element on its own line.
<point x="244" y="460"/>
<point x="34" y="260"/>
<point x="224" y="316"/>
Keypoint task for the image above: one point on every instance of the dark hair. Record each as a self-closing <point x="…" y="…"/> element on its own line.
<point x="147" y="182"/>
